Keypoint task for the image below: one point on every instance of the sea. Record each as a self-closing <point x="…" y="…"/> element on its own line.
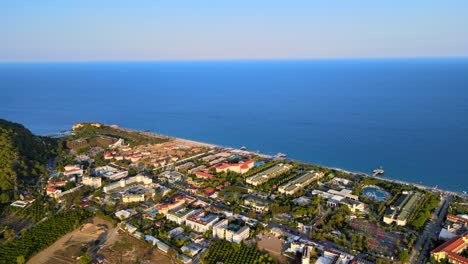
<point x="408" y="116"/>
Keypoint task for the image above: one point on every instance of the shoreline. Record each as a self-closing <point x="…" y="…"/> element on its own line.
<point x="421" y="186"/>
<point x="264" y="155"/>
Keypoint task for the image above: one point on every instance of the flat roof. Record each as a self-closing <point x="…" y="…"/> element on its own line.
<point x="270" y="172"/>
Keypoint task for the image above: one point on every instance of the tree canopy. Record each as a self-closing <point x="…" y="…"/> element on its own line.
<point x="22" y="156"/>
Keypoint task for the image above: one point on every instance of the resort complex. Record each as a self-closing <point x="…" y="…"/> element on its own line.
<point x="300" y="182"/>
<point x="342" y="197"/>
<point x="201" y="203"/>
<point x="264" y="176"/>
<point x="403" y="208"/>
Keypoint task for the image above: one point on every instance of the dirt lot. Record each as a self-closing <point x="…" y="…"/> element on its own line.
<point x="273" y="246"/>
<point x="124" y="248"/>
<point x="64" y="250"/>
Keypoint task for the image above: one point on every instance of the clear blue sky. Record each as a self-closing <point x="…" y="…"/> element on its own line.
<point x="106" y="30"/>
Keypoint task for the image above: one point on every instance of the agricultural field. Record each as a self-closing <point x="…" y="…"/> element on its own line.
<point x="42" y="235"/>
<point x="230" y="253"/>
<point x="17" y="219"/>
<point x="87" y="237"/>
<point x="35" y="211"/>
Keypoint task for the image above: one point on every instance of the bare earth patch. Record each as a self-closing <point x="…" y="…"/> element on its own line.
<point x="66" y="249"/>
<point x="273" y="246"/>
<point x="124" y="248"/>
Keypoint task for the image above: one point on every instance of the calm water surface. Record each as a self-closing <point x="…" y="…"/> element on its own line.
<point x="409" y="116"/>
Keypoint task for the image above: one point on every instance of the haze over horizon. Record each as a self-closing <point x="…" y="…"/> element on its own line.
<point x="206" y="30"/>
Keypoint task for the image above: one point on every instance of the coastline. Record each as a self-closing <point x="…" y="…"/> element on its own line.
<point x="421" y="186"/>
<point x="264" y="155"/>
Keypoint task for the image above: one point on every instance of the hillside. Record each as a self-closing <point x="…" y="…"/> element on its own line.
<point x="22" y="157"/>
<point x="94" y="132"/>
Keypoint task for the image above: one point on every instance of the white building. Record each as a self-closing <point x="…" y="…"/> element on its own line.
<point x="123" y="214"/>
<point x="344" y="196"/>
<point x="402" y="209"/>
<point x="162" y="246"/>
<point x="191" y="249"/>
<point x="124" y="182"/>
<point x="130" y="228"/>
<point x="179" y="214"/>
<point x="133" y="198"/>
<point x="300" y="182"/>
<point x="258" y="205"/>
<point x="341" y="181"/>
<point x="201" y="221"/>
<point x="73" y="170"/>
<point x="267" y="174"/>
<point x="306" y="255"/>
<point x="172" y="176"/>
<point x="223" y="231"/>
<point x="175" y="232"/>
<point x="94" y="182"/>
<point x="110" y="172"/>
<point x="118" y="143"/>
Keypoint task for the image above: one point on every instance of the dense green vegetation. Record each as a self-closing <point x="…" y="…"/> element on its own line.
<point x="42" y="235"/>
<point x="132" y="137"/>
<point x="272" y="184"/>
<point x="458" y="206"/>
<point x="36" y="211"/>
<point x="22" y="156"/>
<point x="223" y="251"/>
<point x="333" y="221"/>
<point x="280" y="209"/>
<point x="427" y="205"/>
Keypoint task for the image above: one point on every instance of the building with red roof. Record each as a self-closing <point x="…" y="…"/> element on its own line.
<point x="108" y="155"/>
<point x="451" y="250"/>
<point x="60" y="183"/>
<point x="201" y="221"/>
<point x="52" y="188"/>
<point x="209" y="191"/>
<point x="78" y="172"/>
<point x="51" y="191"/>
<point x="176" y="201"/>
<point x="457" y="219"/>
<point x="204" y="175"/>
<point x="241" y="167"/>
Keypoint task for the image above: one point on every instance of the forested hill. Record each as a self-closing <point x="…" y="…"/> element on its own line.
<point x="22" y="157"/>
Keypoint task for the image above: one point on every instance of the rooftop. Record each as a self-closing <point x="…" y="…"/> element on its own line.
<point x="453" y="247"/>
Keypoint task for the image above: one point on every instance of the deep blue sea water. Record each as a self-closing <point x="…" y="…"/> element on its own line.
<point x="408" y="115"/>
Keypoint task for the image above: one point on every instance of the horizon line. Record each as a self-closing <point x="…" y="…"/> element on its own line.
<point x="230" y="60"/>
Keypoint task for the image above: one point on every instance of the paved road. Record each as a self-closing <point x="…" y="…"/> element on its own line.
<point x="431" y="230"/>
<point x="434" y="228"/>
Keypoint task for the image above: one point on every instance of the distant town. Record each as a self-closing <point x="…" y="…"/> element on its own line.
<point x="114" y="195"/>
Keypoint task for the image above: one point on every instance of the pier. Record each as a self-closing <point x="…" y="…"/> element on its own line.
<point x="378" y="172"/>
